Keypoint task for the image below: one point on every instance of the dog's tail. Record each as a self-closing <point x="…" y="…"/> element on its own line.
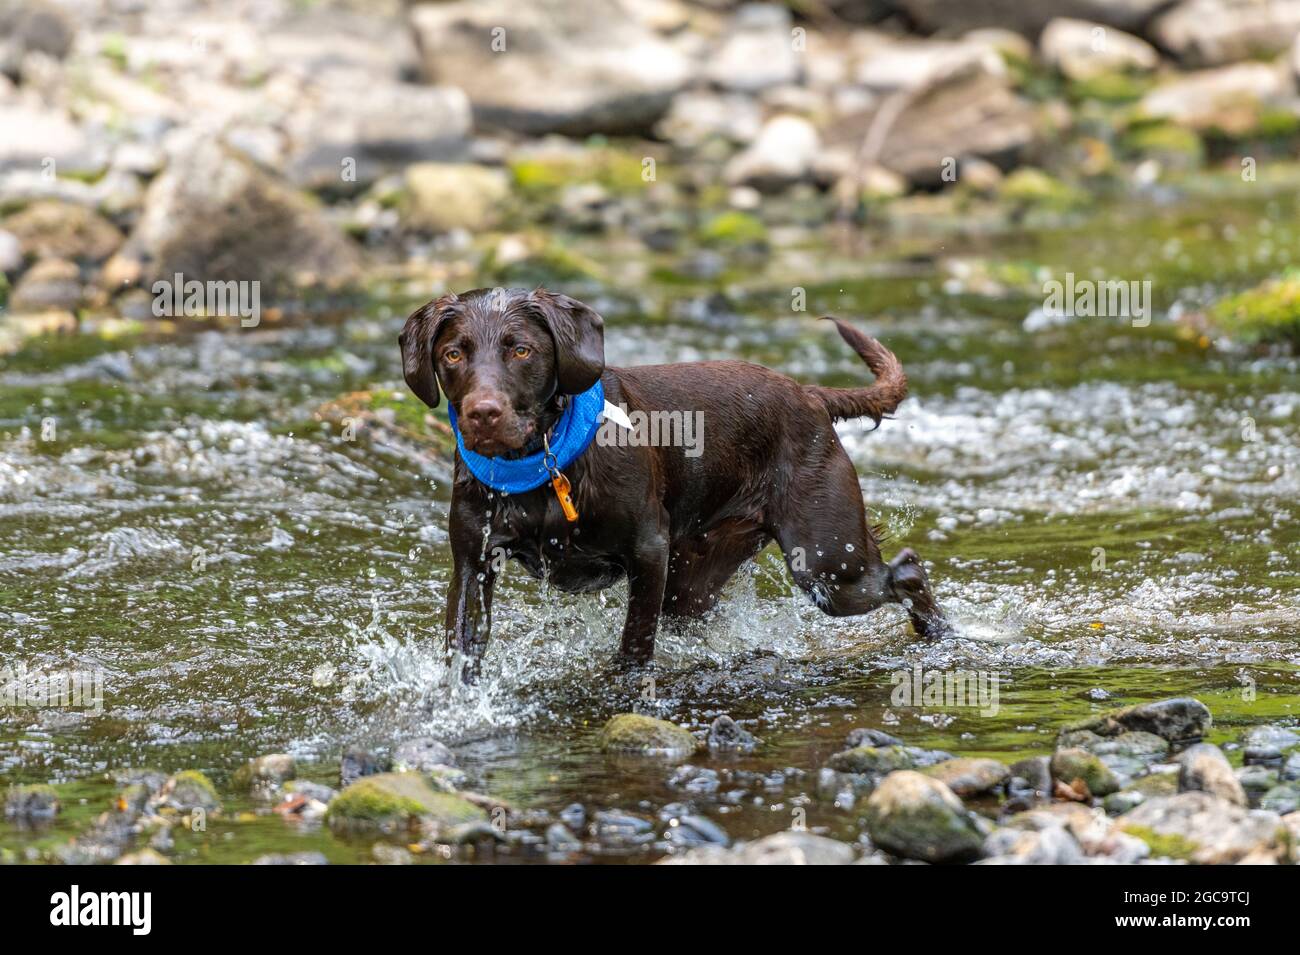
<point x="877" y="400"/>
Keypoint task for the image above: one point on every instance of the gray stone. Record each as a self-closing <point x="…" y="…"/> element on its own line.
<point x="422" y="754"/>
<point x="1257" y="780"/>
<point x="757" y="50"/>
<point x="1051" y="846"/>
<point x="1214" y="32"/>
<point x="917" y="817"/>
<point x="1204" y="768"/>
<point x="1082" y="50"/>
<point x="51" y="284"/>
<point x="727" y="736"/>
<point x="214" y="216"/>
<point x="568" y="68"/>
<point x="1204" y="829"/>
<point x="1227" y="99"/>
<point x="63" y="230"/>
<point x="265" y="774"/>
<point x="697" y="116"/>
<point x="956" y="16"/>
<point x="1176" y="720"/>
<point x="355" y="130"/>
<point x="969" y="777"/>
<point x="875" y="760"/>
<point x="292" y="858"/>
<point x="783" y="154"/>
<point x="29" y="804"/>
<point x="635" y="734"/>
<point x="1282" y="799"/>
<point x="782" y="848"/>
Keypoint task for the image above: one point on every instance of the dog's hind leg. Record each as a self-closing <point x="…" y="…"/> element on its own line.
<point x="699" y="567"/>
<point x="834" y="557"/>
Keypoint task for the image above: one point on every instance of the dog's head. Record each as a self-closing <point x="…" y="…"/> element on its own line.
<point x="503" y="356"/>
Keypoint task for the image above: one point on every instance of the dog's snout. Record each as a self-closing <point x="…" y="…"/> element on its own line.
<point x="484" y="411"/>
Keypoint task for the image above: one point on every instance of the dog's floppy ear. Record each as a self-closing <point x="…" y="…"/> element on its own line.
<point x="579" y="335"/>
<point x="417" y="337"/>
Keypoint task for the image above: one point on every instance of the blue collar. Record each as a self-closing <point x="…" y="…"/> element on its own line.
<point x="571" y="436"/>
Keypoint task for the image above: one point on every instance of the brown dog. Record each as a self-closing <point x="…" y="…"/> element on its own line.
<point x="677" y="525"/>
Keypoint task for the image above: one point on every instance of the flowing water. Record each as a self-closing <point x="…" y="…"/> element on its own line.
<point x="1109" y="512"/>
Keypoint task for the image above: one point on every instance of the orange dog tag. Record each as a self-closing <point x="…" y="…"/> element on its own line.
<point x="565" y="495"/>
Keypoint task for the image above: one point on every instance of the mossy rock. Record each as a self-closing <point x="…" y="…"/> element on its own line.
<point x="1180" y="719"/>
<point x="733" y="228"/>
<point x="265" y="773"/>
<point x="548" y="264"/>
<point x="1071" y="764"/>
<point x="1267" y="313"/>
<point x="1115" y="86"/>
<point x="1033" y="187"/>
<point x="914" y="816"/>
<point x="35" y="803"/>
<point x="969" y="776"/>
<point x="635" y="734"/>
<point x="390" y="802"/>
<point x="189" y="790"/>
<point x="874" y="760"/>
<point x="1176" y="145"/>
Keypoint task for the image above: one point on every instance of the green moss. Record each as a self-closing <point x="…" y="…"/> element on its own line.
<point x="1033" y="187"/>
<point x="1267" y="313"/>
<point x="1115" y="87"/>
<point x="645" y="735"/>
<point x="543" y="176"/>
<point x="1165" y="140"/>
<point x="550" y="265"/>
<point x="1172" y="845"/>
<point x="391" y="801"/>
<point x="871" y="759"/>
<point x="733" y="228"/>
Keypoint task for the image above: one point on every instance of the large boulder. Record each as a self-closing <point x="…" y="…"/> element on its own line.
<point x="971" y="112"/>
<point x="1204" y="829"/>
<point x="551" y="65"/>
<point x="353" y="129"/>
<point x="1229" y="99"/>
<point x="1083" y="50"/>
<point x="917" y="817"/>
<point x="1177" y="720"/>
<point x="1205" y="33"/>
<point x="215" y="216"/>
<point x="1025" y="16"/>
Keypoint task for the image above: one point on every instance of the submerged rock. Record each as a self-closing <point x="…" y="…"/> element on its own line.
<point x="874" y="760"/>
<point x="1204" y="768"/>
<point x="1069" y="765"/>
<point x="358" y="762"/>
<point x="390" y="802"/>
<point x="866" y="736"/>
<point x="727" y="736"/>
<point x="292" y="858"/>
<point x="1204" y="829"/>
<point x="1175" y="720"/>
<point x="917" y="817"/>
<point x="635" y="734"/>
<point x="35" y="803"/>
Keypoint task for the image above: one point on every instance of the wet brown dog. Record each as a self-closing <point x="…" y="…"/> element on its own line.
<point x="676" y="526"/>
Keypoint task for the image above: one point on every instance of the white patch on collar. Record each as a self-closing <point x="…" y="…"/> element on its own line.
<point x="617" y="415"/>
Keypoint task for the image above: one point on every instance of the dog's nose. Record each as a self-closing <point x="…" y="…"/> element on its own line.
<point x="484" y="412"/>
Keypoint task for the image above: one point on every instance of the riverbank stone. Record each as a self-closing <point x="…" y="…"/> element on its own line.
<point x="916" y="817"/>
<point x="390" y="802"/>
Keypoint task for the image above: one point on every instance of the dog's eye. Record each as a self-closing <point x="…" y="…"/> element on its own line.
<point x="451" y="356"/>
<point x="522" y="351"/>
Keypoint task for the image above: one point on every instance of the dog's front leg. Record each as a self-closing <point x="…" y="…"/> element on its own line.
<point x="468" y="620"/>
<point x="647" y="574"/>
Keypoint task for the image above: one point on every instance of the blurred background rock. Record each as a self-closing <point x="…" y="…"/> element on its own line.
<point x="315" y="147"/>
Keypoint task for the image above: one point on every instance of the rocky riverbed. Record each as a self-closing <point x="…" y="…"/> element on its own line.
<point x="235" y="532"/>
